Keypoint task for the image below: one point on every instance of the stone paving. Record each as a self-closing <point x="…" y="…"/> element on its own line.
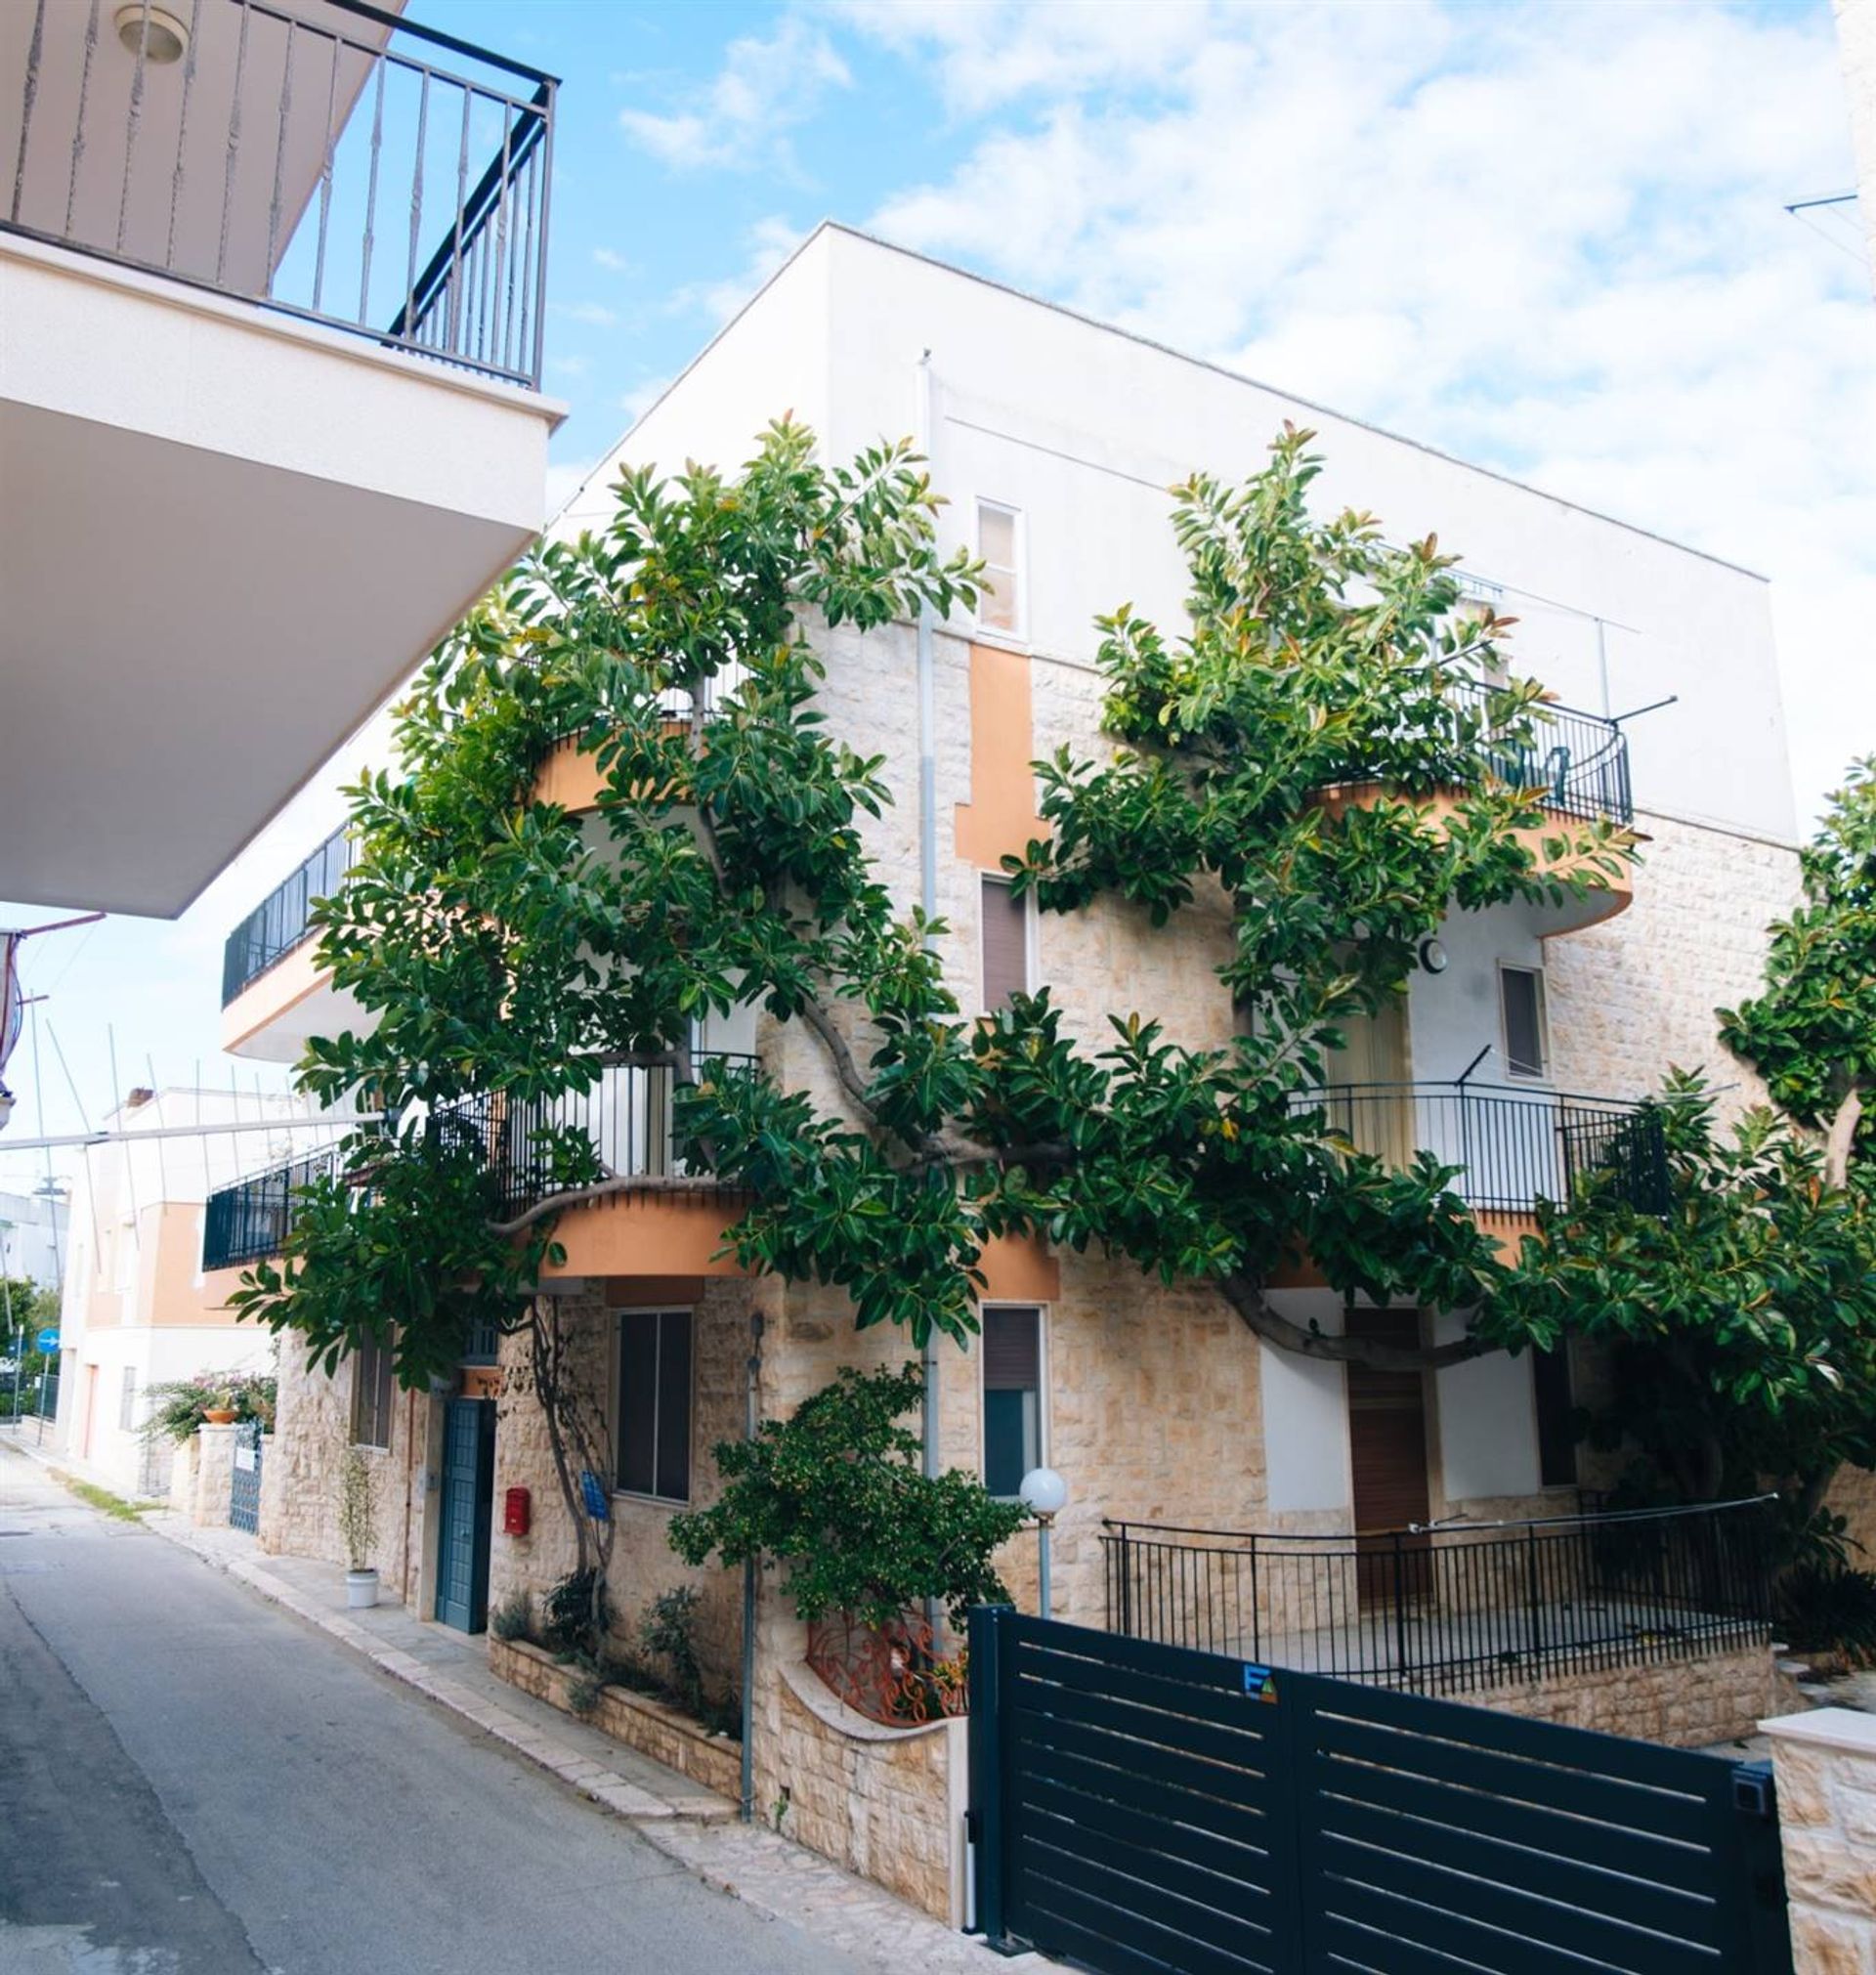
<point x="692" y="1825"/>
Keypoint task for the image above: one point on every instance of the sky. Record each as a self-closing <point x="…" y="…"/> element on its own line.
<point x="1548" y="238"/>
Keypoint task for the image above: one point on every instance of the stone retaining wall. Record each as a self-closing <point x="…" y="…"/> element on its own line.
<point x="1683" y="1704"/>
<point x="888" y="1803"/>
<point x="664" y="1733"/>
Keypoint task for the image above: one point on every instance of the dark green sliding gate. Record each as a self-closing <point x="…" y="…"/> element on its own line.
<point x="1146" y="1810"/>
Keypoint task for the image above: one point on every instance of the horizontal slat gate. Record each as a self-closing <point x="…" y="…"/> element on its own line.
<point x="1148" y="1809"/>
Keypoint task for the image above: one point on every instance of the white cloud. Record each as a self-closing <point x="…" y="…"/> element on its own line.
<point x="564" y="480"/>
<point x="768" y="244"/>
<point x="569" y="366"/>
<point x="596" y="314"/>
<point x="765" y="88"/>
<point x="1532" y="236"/>
<point x="612" y="261"/>
<point x="640" y="399"/>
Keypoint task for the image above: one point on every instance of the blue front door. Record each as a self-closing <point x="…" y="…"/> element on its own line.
<point x="468" y="1508"/>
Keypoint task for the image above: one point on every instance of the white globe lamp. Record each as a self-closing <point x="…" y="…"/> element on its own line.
<point x="1044" y="1494"/>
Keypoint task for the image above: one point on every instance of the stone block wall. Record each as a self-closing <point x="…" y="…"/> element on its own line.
<point x="1689" y="1702"/>
<point x="642" y="1563"/>
<point x="214" y="1474"/>
<point x="1825" y="1768"/>
<point x="301" y="1477"/>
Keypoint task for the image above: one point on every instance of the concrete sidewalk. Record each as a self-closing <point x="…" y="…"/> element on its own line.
<point x="692" y="1825"/>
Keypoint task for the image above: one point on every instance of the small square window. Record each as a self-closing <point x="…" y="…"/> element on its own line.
<point x="999" y="548"/>
<point x="1006" y="943"/>
<point x="1012" y="1396"/>
<point x="1520" y="991"/>
<point x="654" y="1417"/>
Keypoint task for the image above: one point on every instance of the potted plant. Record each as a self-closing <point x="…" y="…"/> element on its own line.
<point x="358" y="1519"/>
<point x="223" y="1408"/>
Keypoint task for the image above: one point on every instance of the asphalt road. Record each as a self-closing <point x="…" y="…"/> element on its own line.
<point x="192" y="1782"/>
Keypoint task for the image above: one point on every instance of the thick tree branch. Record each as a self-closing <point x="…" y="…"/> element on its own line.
<point x="607" y="1188"/>
<point x="1248" y="1300"/>
<point x="1842" y="1138"/>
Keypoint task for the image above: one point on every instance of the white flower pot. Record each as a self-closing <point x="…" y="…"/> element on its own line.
<point x="360" y="1589"/>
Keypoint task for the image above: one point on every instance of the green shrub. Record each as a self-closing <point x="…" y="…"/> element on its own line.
<point x="574" y="1617"/>
<point x="668" y="1632"/>
<point x="513" y="1618"/>
<point x="584" y="1690"/>
<point x="181" y="1406"/>
<point x="1825" y="1608"/>
<point x="840" y="1492"/>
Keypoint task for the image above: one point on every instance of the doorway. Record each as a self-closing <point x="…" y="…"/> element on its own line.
<point x="467" y="1513"/>
<point x="1388" y="1463"/>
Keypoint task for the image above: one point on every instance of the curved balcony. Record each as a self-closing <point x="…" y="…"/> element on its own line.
<point x="625" y="1115"/>
<point x="274" y="996"/>
<point x="570" y="774"/>
<point x="1510" y="1147"/>
<point x="1576" y="764"/>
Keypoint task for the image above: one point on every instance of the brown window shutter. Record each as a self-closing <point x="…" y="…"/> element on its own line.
<point x="1006" y="943"/>
<point x="1012" y="1350"/>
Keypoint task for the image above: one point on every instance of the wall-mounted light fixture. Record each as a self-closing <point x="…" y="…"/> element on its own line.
<point x="1432" y="956"/>
<point x="155" y="32"/>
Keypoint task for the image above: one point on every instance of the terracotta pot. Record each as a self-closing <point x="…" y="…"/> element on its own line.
<point x="219" y="1416"/>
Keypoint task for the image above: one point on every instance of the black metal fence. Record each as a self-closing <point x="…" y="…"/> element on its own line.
<point x="338" y="173"/>
<point x="281" y="919"/>
<point x="249" y="1220"/>
<point x="624" y="1116"/>
<point x="1448" y="1609"/>
<point x="1512" y="1148"/>
<point x="1577" y="762"/>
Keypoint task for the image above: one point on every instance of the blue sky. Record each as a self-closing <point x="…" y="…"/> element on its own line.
<point x="1550" y="238"/>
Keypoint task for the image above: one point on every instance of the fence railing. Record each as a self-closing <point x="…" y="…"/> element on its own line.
<point x="331" y="168"/>
<point x="1450" y="1608"/>
<point x="624" y="1115"/>
<point x="1512" y="1148"/>
<point x="1578" y="763"/>
<point x="280" y="922"/>
<point x="249" y="1220"/>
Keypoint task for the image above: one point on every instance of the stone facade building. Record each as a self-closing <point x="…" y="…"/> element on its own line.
<point x="1054" y="441"/>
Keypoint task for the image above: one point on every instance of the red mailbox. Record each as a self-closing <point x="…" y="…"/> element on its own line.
<point x="515" y="1510"/>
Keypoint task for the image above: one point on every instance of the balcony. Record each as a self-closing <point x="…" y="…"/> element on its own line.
<point x="274" y="994"/>
<point x="624" y="1115"/>
<point x="1452" y="1608"/>
<point x="321" y="163"/>
<point x="570" y="774"/>
<point x="273" y="282"/>
<point x="1512" y="1148"/>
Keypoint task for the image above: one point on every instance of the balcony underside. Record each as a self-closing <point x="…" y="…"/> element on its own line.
<point x="226" y="537"/>
<point x="1507" y="1227"/>
<point x="1612" y="895"/>
<point x="273" y="1018"/>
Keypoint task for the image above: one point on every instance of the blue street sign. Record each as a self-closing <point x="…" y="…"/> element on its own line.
<point x="47" y="1342"/>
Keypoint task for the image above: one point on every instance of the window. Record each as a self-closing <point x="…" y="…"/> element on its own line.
<point x="654" y="1417"/>
<point x="999" y="548"/>
<point x="1520" y="994"/>
<point x="1556" y="1417"/>
<point x="481" y="1344"/>
<point x="1012" y="1396"/>
<point x="127" y="1400"/>
<point x="1005" y="919"/>
<point x="372" y="1393"/>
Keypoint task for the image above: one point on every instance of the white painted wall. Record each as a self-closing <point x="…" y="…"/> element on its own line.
<point x="1306" y="1413"/>
<point x="1487" y="1422"/>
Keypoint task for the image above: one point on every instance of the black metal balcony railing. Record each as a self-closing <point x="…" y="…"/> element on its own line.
<point x="248" y="1222"/>
<point x="342" y="175"/>
<point x="1577" y="762"/>
<point x="625" y="1115"/>
<point x="281" y="919"/>
<point x="1451" y="1607"/>
<point x="1512" y="1148"/>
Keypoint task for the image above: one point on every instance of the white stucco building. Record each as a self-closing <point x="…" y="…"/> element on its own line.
<point x="137" y="1312"/>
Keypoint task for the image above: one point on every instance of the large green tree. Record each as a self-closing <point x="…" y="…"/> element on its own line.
<point x="503" y="947"/>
